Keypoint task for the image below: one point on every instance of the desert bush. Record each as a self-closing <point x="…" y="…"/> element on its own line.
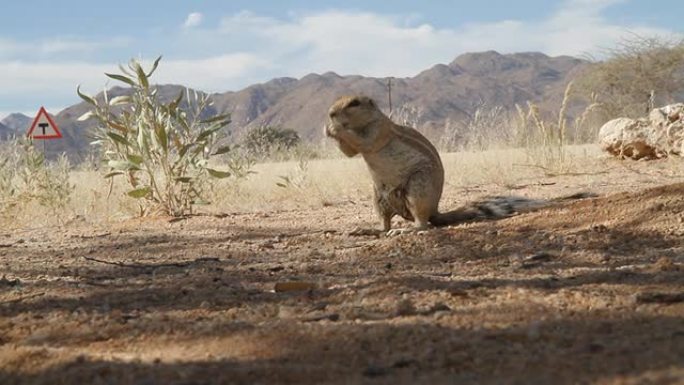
<point x="636" y="75"/>
<point x="162" y="149"/>
<point x="265" y="141"/>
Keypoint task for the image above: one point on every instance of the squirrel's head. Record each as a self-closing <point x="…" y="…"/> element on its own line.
<point x="354" y="113"/>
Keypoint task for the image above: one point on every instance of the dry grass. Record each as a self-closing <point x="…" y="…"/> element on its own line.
<point x="508" y="167"/>
<point x="547" y="140"/>
<point x="315" y="183"/>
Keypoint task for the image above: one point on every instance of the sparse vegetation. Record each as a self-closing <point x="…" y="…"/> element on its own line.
<point x="547" y="140"/>
<point x="298" y="179"/>
<point x="28" y="178"/>
<point x="162" y="149"/>
<point x="265" y="141"/>
<point x="636" y="75"/>
<point x="486" y="127"/>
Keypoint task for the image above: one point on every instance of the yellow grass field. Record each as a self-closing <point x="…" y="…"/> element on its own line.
<point x="317" y="183"/>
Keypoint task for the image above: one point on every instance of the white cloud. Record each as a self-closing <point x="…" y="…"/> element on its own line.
<point x="345" y="42"/>
<point x="379" y="45"/>
<point x="7" y="47"/>
<point x="217" y="73"/>
<point x="45" y="82"/>
<point x="12" y="50"/>
<point x="57" y="45"/>
<point x="251" y="47"/>
<point x="194" y="19"/>
<point x="46" y="79"/>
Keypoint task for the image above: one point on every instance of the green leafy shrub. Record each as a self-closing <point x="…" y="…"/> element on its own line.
<point x="162" y="149"/>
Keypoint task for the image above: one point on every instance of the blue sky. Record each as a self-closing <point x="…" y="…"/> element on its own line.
<point x="47" y="47"/>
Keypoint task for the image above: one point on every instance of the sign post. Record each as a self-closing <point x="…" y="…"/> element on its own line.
<point x="43" y="128"/>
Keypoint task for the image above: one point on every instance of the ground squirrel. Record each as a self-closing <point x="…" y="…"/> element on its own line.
<point x="406" y="169"/>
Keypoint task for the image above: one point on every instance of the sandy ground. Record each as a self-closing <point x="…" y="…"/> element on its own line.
<point x="587" y="292"/>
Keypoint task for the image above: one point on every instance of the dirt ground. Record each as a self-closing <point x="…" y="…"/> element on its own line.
<point x="587" y="292"/>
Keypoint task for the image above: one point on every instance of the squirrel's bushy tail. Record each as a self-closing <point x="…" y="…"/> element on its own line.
<point x="497" y="207"/>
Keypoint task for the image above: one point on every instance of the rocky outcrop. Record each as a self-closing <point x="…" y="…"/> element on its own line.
<point x="659" y="135"/>
<point x="669" y="120"/>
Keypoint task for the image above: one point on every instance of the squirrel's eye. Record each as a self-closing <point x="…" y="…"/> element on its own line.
<point x="354" y="103"/>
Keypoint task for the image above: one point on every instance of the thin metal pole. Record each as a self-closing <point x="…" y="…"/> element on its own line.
<point x="389" y="94"/>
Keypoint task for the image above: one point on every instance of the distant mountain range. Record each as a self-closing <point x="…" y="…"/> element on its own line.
<point x="445" y="91"/>
<point x="14" y="124"/>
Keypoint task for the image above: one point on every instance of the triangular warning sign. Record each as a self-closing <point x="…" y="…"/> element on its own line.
<point x="43" y="127"/>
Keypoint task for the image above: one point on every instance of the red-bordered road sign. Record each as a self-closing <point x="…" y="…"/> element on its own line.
<point x="43" y="127"/>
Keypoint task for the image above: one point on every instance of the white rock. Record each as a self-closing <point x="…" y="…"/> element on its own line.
<point x="659" y="135"/>
<point x="628" y="138"/>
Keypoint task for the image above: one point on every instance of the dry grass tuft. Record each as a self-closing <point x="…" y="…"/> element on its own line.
<point x="546" y="140"/>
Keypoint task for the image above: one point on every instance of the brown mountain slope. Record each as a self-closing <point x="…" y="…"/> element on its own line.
<point x="441" y="93"/>
<point x="17" y="122"/>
